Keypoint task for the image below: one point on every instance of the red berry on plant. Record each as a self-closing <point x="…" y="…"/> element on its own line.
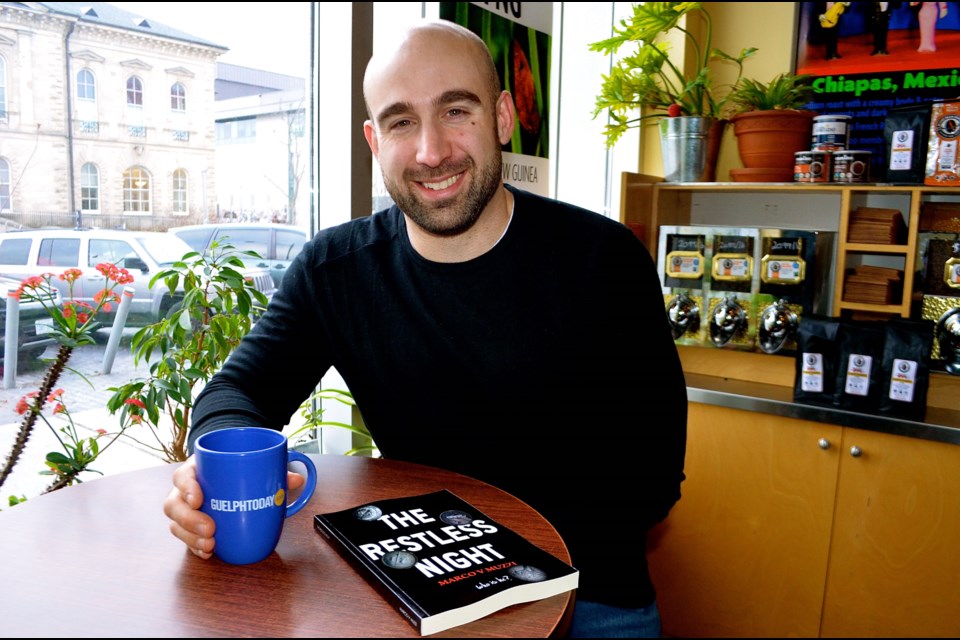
<point x="673" y="110"/>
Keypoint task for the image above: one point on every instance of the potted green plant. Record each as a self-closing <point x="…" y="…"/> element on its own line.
<point x="192" y="342"/>
<point x="188" y="346"/>
<point x="647" y="86"/>
<point x="771" y="125"/>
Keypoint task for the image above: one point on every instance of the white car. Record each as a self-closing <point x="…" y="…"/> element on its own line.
<point x="142" y="253"/>
<point x="276" y="244"/>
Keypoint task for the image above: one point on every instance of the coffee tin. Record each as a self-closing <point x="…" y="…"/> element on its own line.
<point x="830" y="132"/>
<point x="851" y="166"/>
<point x="811" y="166"/>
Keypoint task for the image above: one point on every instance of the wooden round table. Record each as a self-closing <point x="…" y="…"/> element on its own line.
<point x="97" y="559"/>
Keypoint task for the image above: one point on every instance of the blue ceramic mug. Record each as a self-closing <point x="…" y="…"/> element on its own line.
<point x="243" y="474"/>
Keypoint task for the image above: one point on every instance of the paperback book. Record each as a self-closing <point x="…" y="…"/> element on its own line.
<point x="441" y="561"/>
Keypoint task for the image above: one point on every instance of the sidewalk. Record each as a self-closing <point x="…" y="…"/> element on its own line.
<point x="86" y="392"/>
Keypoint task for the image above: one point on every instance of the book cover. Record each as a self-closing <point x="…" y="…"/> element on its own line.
<point x="441" y="561"/>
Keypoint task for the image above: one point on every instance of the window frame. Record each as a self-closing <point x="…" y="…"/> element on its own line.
<point x="90" y="86"/>
<point x="178" y="99"/>
<point x="84" y="188"/>
<point x="3" y="89"/>
<point x="135" y="92"/>
<point x="6" y="196"/>
<point x="141" y="196"/>
<point x="180" y="205"/>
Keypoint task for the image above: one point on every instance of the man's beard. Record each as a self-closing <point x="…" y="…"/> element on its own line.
<point x="455" y="215"/>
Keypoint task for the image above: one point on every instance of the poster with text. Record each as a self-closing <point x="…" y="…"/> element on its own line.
<point x="869" y="57"/>
<point x="518" y="36"/>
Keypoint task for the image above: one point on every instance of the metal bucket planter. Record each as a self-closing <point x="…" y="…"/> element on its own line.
<point x="690" y="146"/>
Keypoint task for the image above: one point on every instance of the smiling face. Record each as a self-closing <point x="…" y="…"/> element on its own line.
<point x="437" y="124"/>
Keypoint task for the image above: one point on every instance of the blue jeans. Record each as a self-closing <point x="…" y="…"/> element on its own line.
<point x="595" y="620"/>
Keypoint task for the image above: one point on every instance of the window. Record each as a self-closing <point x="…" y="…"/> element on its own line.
<point x="247" y="128"/>
<point x="136" y="191"/>
<point x="15" y="251"/>
<point x="5" y="203"/>
<point x="3" y="89"/>
<point x="89" y="188"/>
<point x="180" y="191"/>
<point x="86" y="86"/>
<point x="246" y="240"/>
<point x="178" y="97"/>
<point x="134" y="92"/>
<point x="59" y="252"/>
<point x="298" y="123"/>
<point x="196" y="238"/>
<point x="289" y="244"/>
<point x="109" y="251"/>
<point x="233" y="131"/>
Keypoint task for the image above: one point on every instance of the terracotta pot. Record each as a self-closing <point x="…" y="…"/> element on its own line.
<point x="770" y="139"/>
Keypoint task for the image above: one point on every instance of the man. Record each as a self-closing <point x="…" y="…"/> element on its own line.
<point x="481" y="329"/>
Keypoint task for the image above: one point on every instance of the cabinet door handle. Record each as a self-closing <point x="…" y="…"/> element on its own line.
<point x="823" y="443"/>
<point x="855" y="451"/>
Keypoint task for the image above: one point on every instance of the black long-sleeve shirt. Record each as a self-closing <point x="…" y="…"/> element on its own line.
<point x="544" y="367"/>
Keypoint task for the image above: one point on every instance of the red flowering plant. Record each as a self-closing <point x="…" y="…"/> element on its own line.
<point x="74" y="323"/>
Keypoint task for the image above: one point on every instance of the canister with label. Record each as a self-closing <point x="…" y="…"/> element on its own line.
<point x="830" y="132"/>
<point x="811" y="166"/>
<point x="851" y="166"/>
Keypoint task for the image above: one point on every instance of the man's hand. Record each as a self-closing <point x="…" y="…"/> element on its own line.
<point x="194" y="527"/>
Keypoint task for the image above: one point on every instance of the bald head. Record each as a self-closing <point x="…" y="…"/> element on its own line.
<point x="413" y="51"/>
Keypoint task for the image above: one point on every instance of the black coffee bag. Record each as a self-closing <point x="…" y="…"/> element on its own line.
<point x="906" y="131"/>
<point x="905" y="369"/>
<point x="858" y="370"/>
<point x="816" y="361"/>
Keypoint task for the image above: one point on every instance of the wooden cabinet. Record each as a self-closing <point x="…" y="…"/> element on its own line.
<point x="744" y="552"/>
<point x="894" y="567"/>
<point x="782" y="532"/>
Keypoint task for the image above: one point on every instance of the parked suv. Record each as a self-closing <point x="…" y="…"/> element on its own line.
<point x="277" y="244"/>
<point x="142" y="253"/>
<point x="34" y="320"/>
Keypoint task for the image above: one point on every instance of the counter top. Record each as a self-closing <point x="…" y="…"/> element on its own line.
<point x="940" y="424"/>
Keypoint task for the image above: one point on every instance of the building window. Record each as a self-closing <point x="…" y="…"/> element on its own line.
<point x="180" y="192"/>
<point x="136" y="191"/>
<point x="5" y="203"/>
<point x="89" y="126"/>
<point x="179" y="135"/>
<point x="298" y="124"/>
<point x="136" y="131"/>
<point x="224" y="131"/>
<point x="3" y="89"/>
<point x="86" y="86"/>
<point x="237" y="131"/>
<point x="247" y="128"/>
<point x="134" y="91"/>
<point x="89" y="188"/>
<point x="178" y="97"/>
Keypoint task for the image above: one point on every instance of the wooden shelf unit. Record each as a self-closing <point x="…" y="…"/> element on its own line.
<point x="649" y="201"/>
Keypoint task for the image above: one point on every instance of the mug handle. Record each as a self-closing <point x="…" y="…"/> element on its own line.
<point x="311" y="485"/>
